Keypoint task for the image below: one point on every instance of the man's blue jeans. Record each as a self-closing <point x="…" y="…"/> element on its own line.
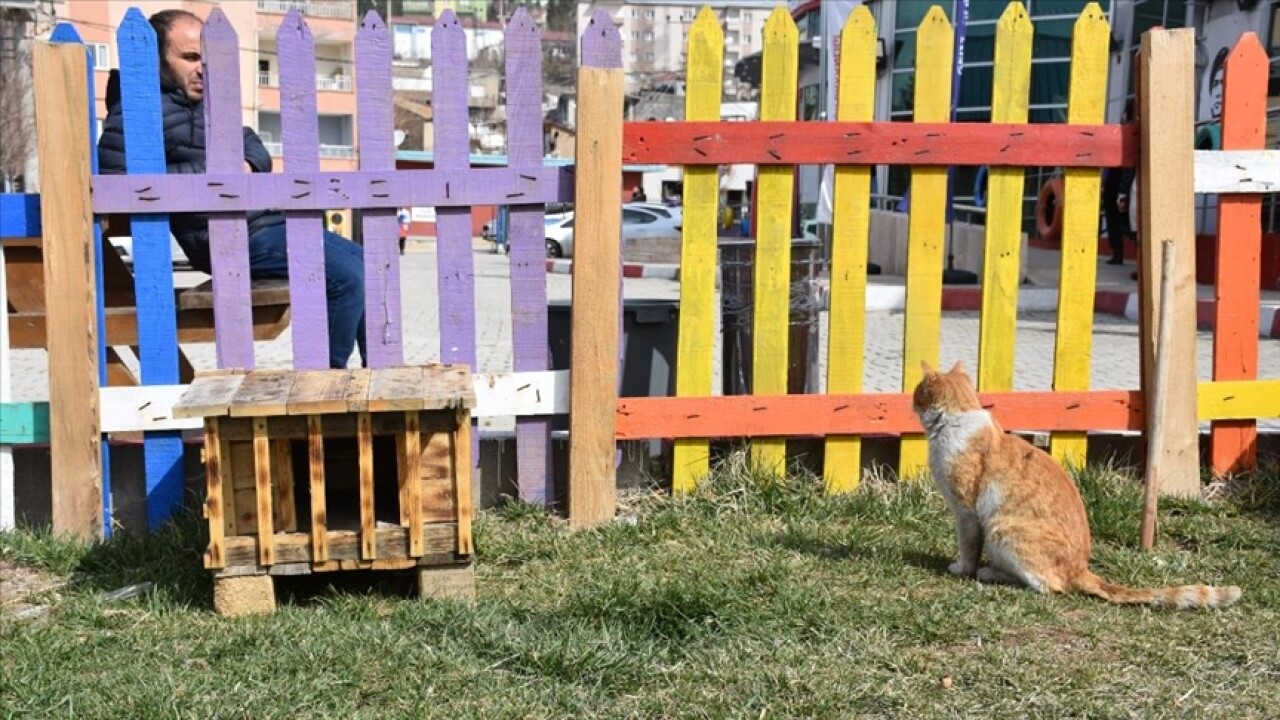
<point x="344" y="285"/>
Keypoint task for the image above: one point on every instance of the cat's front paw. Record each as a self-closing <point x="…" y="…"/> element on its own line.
<point x="962" y="568"/>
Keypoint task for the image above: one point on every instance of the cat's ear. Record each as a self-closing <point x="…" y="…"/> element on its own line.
<point x="928" y="371"/>
<point x="958" y="368"/>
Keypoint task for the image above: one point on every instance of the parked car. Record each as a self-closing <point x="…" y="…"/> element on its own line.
<point x="639" y="221"/>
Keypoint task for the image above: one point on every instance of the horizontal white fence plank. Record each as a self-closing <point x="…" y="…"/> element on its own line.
<point x="1237" y="171"/>
<point x="147" y="408"/>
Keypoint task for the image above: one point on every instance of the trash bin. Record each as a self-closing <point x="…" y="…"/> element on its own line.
<point x="737" y="273"/>
<point x="648" y="346"/>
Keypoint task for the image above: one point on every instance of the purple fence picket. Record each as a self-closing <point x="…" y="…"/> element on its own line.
<point x="375" y="117"/>
<point x="455" y="266"/>
<point x="305" y="230"/>
<point x="228" y="235"/>
<point x="525" y="237"/>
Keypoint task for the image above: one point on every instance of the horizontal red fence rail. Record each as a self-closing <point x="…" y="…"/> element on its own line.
<point x="876" y="143"/>
<point x="869" y="414"/>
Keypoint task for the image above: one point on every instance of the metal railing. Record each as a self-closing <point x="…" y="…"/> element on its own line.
<point x="339" y="9"/>
<point x="324" y="83"/>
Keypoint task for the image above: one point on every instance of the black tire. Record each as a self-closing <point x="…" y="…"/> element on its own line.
<point x="553" y="249"/>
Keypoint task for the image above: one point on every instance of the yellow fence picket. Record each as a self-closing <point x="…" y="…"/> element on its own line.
<point x="849" y="242"/>
<point x="926" y="225"/>
<point x="698" y="249"/>
<point x="1086" y="104"/>
<point x="1010" y="88"/>
<point x="772" y="280"/>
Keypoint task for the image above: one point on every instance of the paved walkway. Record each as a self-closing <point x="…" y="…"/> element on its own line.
<point x="1115" y="342"/>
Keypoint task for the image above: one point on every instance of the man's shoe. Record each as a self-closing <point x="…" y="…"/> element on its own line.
<point x="1115" y="261"/>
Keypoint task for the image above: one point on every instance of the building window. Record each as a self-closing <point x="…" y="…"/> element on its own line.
<point x="648" y="35"/>
<point x="648" y="15"/>
<point x="101" y="55"/>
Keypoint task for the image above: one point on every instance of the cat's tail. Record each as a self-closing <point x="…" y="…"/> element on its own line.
<point x="1182" y="598"/>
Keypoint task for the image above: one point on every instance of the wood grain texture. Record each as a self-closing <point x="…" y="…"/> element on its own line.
<point x="374" y="115"/>
<point x="263" y="393"/>
<point x="209" y="396"/>
<point x="931" y="143"/>
<point x="152" y="258"/>
<point x="597" y="276"/>
<point x="286" y="512"/>
<point x="344" y="546"/>
<point x="698" y="250"/>
<point x="1167" y="204"/>
<point x="1234" y="443"/>
<point x="926" y="228"/>
<point x="263" y="492"/>
<point x="1086" y="105"/>
<point x="61" y="86"/>
<point x="409" y="463"/>
<point x="214" y="504"/>
<point x="368" y="520"/>
<point x="228" y="234"/>
<point x="771" y="284"/>
<point x="527" y="252"/>
<point x="1001" y="269"/>
<point x="462" y="464"/>
<point x="397" y="388"/>
<point x="322" y="392"/>
<point x="1166" y="201"/>
<point x="304" y="231"/>
<point x="850" y="240"/>
<point x="869" y="413"/>
<point x="319" y="506"/>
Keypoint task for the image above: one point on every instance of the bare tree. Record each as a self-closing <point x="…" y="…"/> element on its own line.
<point x="17" y="126"/>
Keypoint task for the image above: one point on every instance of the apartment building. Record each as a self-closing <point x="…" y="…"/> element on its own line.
<point x="333" y="24"/>
<point x="655" y="33"/>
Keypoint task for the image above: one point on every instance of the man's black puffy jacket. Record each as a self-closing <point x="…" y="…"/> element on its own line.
<point x="183" y="123"/>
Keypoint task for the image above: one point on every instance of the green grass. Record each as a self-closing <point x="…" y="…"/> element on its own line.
<point x="754" y="598"/>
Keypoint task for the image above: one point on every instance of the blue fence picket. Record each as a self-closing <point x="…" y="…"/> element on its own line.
<point x="152" y="258"/>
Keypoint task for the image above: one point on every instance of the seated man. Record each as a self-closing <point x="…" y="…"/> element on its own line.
<point x="181" y="100"/>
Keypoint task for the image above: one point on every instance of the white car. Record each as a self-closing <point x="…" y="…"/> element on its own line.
<point x="639" y="220"/>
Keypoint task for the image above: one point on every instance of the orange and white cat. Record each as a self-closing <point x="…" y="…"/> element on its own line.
<point x="1012" y="500"/>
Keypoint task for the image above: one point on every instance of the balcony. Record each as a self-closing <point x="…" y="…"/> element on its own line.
<point x="341" y="152"/>
<point x="336" y="9"/>
<point x="327" y="83"/>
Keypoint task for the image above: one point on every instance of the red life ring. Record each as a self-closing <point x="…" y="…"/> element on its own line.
<point x="1049" y="211"/>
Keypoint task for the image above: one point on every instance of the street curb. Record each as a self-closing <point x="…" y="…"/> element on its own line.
<point x="629" y="270"/>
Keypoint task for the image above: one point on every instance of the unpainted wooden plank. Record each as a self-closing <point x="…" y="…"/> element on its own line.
<point x="408" y="461"/>
<point x="319" y="509"/>
<point x="286" y="516"/>
<point x="262" y="490"/>
<point x="263" y="393"/>
<point x="214" y="507"/>
<point x="318" y="392"/>
<point x="463" y="504"/>
<point x="368" y="520"/>
<point x="436" y="471"/>
<point x="209" y="396"/>
<point x="344" y="545"/>
<point x="397" y="389"/>
<point x="596" y="277"/>
<point x="70" y="275"/>
<point x="1167" y="201"/>
<point x="243" y="482"/>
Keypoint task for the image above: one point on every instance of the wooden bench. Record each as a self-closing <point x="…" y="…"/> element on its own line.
<point x="28" y="323"/>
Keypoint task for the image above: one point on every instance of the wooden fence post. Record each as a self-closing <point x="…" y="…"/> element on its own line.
<point x="61" y="86"/>
<point x="594" y="322"/>
<point x="1167" y="205"/>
